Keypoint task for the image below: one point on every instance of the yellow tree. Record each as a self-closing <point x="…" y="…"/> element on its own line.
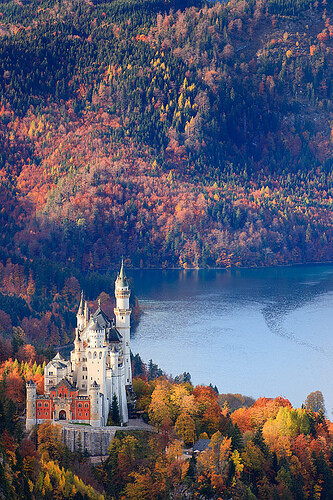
<point x="50" y="445"/>
<point x="160" y="408"/>
<point x="185" y="427"/>
<point x="181" y="399"/>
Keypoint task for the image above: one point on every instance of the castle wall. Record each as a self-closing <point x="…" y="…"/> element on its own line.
<point x="44" y="409"/>
<point x="95" y="441"/>
<point x="82" y="411"/>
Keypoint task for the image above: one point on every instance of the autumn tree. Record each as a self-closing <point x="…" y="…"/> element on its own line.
<point x="50" y="445"/>
<point x="315" y="402"/>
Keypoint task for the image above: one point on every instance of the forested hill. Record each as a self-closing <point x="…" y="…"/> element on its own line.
<point x="175" y="133"/>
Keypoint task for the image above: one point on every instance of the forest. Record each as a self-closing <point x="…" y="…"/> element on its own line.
<point x="263" y="449"/>
<point x="177" y="134"/>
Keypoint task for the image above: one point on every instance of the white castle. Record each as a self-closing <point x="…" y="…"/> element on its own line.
<point x="82" y="389"/>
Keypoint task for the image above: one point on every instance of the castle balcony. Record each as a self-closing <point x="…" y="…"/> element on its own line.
<point x="123" y="312"/>
<point x="122" y="294"/>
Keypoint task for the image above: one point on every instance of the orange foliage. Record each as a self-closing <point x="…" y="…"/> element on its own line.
<point x="255" y="416"/>
<point x="15" y="387"/>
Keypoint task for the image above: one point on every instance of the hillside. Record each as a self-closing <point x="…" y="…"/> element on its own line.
<point x="263" y="450"/>
<point x="176" y="134"/>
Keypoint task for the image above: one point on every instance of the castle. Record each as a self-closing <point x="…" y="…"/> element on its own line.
<point x="82" y="389"/>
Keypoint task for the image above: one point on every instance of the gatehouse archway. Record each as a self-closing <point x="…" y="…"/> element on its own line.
<point x="62" y="415"/>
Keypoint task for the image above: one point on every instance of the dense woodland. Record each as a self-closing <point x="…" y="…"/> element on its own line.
<point x="174" y="133"/>
<point x="258" y="450"/>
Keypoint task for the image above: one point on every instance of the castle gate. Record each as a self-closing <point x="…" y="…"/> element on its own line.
<point x="62" y="415"/>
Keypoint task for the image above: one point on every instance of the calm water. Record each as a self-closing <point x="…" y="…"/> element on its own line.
<point x="263" y="332"/>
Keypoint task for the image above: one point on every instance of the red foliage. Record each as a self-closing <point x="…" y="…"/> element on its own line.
<point x="27" y="353"/>
<point x="15" y="387"/>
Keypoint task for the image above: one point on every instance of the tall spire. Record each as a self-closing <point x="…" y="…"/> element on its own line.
<point x="86" y="312"/>
<point x="80" y="311"/>
<point x="121" y="276"/>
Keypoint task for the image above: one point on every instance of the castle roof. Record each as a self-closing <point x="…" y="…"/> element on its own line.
<point x="57" y="364"/>
<point x="58" y="357"/>
<point x="66" y="382"/>
<point x="121" y="279"/>
<point x="95" y="326"/>
<point x="80" y="311"/>
<point x="58" y="361"/>
<point x="113" y="335"/>
<point x="101" y="318"/>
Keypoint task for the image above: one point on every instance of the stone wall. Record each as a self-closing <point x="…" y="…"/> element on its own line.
<point x="95" y="441"/>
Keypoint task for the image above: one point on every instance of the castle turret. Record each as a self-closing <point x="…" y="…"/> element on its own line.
<point x="80" y="315"/>
<point x="86" y="313"/>
<point x="122" y="313"/>
<point x="95" y="414"/>
<point x="31" y="404"/>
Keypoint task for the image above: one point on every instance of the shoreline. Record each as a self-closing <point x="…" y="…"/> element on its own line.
<point x="232" y="268"/>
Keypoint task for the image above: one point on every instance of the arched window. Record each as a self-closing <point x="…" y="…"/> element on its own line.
<point x="89" y="355"/>
<point x="100" y="355"/>
<point x="95" y="355"/>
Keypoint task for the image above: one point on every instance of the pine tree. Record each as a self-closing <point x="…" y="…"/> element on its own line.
<point x="115" y="415"/>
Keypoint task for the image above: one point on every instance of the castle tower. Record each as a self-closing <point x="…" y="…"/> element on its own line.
<point x="76" y="353"/>
<point x="122" y="313"/>
<point x="80" y="315"/>
<point x="95" y="416"/>
<point x="86" y="314"/>
<point x="31" y="404"/>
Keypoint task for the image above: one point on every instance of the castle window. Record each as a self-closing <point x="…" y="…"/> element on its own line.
<point x="80" y="405"/>
<point x="86" y="414"/>
<point x="50" y="373"/>
<point x="79" y="414"/>
<point x="100" y="355"/>
<point x="89" y="355"/>
<point x="84" y="368"/>
<point x="46" y="413"/>
<point x="46" y="405"/>
<point x="39" y="413"/>
<point x="83" y="385"/>
<point x="86" y="405"/>
<point x="39" y="404"/>
<point x="95" y="355"/>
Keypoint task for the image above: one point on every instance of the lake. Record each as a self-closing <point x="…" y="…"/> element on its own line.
<point x="259" y="332"/>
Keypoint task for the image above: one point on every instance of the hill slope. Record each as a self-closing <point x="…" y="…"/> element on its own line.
<point x="177" y="134"/>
